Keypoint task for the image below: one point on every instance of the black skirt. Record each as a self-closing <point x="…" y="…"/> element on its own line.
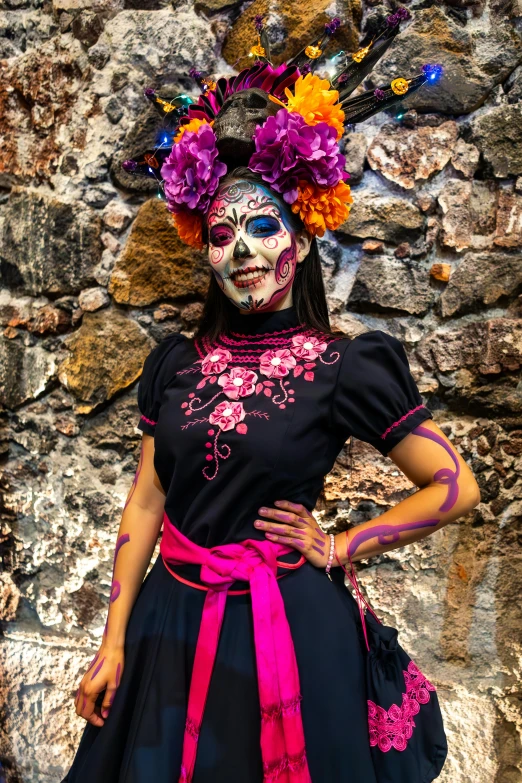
<point x="141" y="740"/>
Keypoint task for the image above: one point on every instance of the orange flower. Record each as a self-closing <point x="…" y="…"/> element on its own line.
<point x="322" y="208"/>
<point x="315" y="102"/>
<point x="193" y="125"/>
<point x="189" y="227"/>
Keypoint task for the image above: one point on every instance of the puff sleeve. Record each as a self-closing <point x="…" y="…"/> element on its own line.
<point x="376" y="399"/>
<point x="159" y="369"/>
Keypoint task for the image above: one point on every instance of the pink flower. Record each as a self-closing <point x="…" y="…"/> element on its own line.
<point x="307" y="348"/>
<point x="216" y="361"/>
<point x="227" y="414"/>
<point x="276" y="364"/>
<point x="238" y="382"/>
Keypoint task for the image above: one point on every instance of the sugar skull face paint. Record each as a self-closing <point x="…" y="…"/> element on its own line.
<point x="253" y="252"/>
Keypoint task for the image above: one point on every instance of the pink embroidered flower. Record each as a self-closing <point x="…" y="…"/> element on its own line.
<point x="216" y="361"/>
<point x="394" y="727"/>
<point x="227" y="414"/>
<point x="238" y="382"/>
<point x="276" y="364"/>
<point x="307" y="348"/>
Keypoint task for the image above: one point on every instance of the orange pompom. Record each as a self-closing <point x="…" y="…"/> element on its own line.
<point x="190" y="228"/>
<point x="193" y="125"/>
<point x="315" y="102"/>
<point x="322" y="208"/>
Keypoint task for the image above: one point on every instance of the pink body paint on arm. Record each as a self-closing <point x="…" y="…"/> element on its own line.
<point x="444" y="475"/>
<point x="116" y="587"/>
<point x="386" y="534"/>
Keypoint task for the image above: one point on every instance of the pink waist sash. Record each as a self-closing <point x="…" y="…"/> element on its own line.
<point x="282" y="738"/>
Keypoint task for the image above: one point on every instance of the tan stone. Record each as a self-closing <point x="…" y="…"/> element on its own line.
<point x="382" y="217"/>
<point x="292" y="26"/>
<point x="509" y="220"/>
<point x="38" y="96"/>
<point x="155" y="264"/>
<point x="469" y="212"/>
<point x="107" y="355"/>
<point x="407" y="156"/>
<point x="465" y="158"/>
<point x="441" y="272"/>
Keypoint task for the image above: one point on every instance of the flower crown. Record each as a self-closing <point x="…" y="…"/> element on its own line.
<point x="295" y="150"/>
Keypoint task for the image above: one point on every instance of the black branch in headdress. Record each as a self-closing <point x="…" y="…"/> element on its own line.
<point x="307" y="58"/>
<point x="371" y="102"/>
<point x="363" y="60"/>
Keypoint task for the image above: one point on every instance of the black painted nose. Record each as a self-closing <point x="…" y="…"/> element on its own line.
<point x="241" y="249"/>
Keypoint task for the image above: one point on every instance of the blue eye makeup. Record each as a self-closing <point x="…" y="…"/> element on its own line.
<point x="263" y="226"/>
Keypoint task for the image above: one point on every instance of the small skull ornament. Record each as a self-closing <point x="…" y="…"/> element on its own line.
<point x="236" y="122"/>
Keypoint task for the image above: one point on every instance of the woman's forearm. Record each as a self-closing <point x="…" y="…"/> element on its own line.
<point x="413" y="518"/>
<point x="137" y="536"/>
<point x="450" y="494"/>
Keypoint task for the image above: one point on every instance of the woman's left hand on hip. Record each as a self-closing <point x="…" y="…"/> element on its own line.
<point x="293" y="525"/>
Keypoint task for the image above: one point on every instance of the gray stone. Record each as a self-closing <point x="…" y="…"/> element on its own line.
<point x="497" y="135"/>
<point x="87" y="27"/>
<point x="473" y="62"/>
<point x="481" y="279"/>
<point x="25" y="372"/>
<point x="355" y="145"/>
<point x="93" y="299"/>
<point x="384" y="283"/>
<point x="48" y="245"/>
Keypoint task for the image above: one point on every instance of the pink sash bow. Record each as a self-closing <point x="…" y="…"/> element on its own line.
<point x="282" y="736"/>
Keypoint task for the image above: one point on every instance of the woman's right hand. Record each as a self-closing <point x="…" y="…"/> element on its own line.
<point x="103" y="674"/>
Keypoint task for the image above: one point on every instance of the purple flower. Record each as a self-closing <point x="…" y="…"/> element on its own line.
<point x="379" y="94"/>
<point x="393" y="20"/>
<point x="258" y="21"/>
<point x="192" y="171"/>
<point x="403" y="13"/>
<point x="287" y="150"/>
<point x="333" y="25"/>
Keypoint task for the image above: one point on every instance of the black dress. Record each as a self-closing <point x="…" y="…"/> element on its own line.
<point x="260" y="415"/>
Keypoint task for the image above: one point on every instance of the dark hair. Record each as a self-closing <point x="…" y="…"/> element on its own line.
<point x="308" y="292"/>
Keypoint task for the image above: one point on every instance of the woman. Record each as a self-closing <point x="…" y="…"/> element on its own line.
<point x="212" y="454"/>
<point x="240" y="657"/>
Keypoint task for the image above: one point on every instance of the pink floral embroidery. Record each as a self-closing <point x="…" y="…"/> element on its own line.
<point x="216" y="361"/>
<point x="394" y="727"/>
<point x="227" y="414"/>
<point x="308" y="348"/>
<point x="276" y="364"/>
<point x="149" y="421"/>
<point x="238" y="382"/>
<point x="396" y="423"/>
<point x="293" y="351"/>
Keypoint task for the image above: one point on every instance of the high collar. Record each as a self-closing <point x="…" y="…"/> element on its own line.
<point x="259" y="323"/>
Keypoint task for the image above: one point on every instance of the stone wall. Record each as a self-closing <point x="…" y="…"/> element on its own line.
<point x="93" y="274"/>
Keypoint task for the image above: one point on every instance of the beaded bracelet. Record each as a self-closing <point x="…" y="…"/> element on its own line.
<point x="330" y="558"/>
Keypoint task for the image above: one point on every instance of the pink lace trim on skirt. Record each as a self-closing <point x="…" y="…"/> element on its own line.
<point x="394" y="727"/>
